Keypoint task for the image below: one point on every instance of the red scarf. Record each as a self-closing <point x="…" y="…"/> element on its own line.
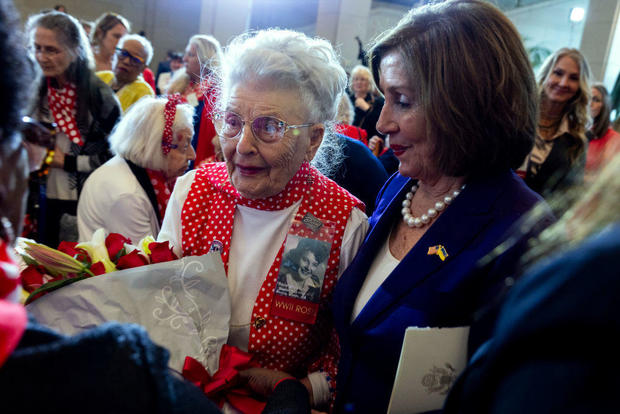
<point x="62" y="105"/>
<point x="13" y="317"/>
<point x="162" y="190"/>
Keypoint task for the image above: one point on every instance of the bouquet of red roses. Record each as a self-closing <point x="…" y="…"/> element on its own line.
<point x="50" y="269"/>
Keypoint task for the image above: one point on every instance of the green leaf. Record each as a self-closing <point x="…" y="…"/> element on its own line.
<point x="51" y="286"/>
<point x="29" y="260"/>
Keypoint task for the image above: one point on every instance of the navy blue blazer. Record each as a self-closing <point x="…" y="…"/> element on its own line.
<point x="555" y="349"/>
<point x="423" y="290"/>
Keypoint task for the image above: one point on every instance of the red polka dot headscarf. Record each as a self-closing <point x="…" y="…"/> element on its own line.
<point x="169" y="113"/>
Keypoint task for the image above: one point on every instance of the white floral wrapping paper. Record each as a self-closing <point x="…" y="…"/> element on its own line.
<point x="183" y="304"/>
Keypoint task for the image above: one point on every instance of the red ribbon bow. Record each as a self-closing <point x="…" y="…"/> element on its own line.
<point x="169" y="113"/>
<point x="222" y="386"/>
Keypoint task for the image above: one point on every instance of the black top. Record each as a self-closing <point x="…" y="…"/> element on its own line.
<point x="368" y="119"/>
<point x="557" y="172"/>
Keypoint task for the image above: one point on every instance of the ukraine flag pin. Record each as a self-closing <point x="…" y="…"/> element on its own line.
<point x="439" y="250"/>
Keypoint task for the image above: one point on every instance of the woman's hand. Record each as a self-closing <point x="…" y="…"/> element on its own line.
<point x="362" y="104"/>
<point x="262" y="380"/>
<point x="58" y="161"/>
<point x="375" y="144"/>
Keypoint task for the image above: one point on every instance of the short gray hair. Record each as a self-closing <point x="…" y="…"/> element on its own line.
<point x="146" y="44"/>
<point x="137" y="137"/>
<point x="293" y="61"/>
<point x="69" y="31"/>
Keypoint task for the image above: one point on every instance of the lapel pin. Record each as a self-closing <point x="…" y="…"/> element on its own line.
<point x="439" y="250"/>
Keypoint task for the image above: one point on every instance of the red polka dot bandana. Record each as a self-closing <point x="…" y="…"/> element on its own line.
<point x="169" y="113"/>
<point x="62" y="105"/>
<point x="207" y="219"/>
<point x="162" y="190"/>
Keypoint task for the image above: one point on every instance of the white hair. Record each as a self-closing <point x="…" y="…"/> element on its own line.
<point x="138" y="136"/>
<point x="290" y="60"/>
<point x="346" y="113"/>
<point x="146" y="44"/>
<point x="209" y="53"/>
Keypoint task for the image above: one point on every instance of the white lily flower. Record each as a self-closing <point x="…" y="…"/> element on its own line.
<point x="97" y="251"/>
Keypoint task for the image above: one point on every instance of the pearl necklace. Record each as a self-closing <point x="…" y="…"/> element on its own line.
<point x="412" y="221"/>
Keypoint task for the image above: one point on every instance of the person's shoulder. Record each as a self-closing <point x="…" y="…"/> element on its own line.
<point x="113" y="177"/>
<point x="507" y="192"/>
<point x="105" y="75"/>
<point x="562" y="286"/>
<point x="103" y="98"/>
<point x="142" y="87"/>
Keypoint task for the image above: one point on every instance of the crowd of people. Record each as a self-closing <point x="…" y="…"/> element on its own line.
<point x="415" y="191"/>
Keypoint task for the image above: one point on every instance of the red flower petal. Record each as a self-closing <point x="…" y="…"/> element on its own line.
<point x="32" y="278"/>
<point x="133" y="259"/>
<point x="161" y="252"/>
<point x="115" y="242"/>
<point x="97" y="268"/>
<point x="78" y="254"/>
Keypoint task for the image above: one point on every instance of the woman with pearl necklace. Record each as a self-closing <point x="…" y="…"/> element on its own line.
<point x="460" y="113"/>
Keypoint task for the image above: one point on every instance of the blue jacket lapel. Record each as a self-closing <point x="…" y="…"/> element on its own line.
<point x="468" y="215"/>
<point x="352" y="280"/>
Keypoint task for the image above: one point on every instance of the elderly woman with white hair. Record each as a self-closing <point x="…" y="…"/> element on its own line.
<point x="195" y="82"/>
<point x="82" y="106"/>
<point x="129" y="193"/>
<point x="277" y="104"/>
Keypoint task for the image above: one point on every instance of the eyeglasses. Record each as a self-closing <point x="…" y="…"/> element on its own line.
<point x="134" y="60"/>
<point x="268" y="129"/>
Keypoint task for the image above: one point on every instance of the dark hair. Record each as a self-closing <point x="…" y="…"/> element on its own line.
<point x="175" y="55"/>
<point x="16" y="82"/>
<point x="601" y="122"/>
<point x="474" y="82"/>
<point x="104" y="23"/>
<point x="16" y="71"/>
<point x="320" y="249"/>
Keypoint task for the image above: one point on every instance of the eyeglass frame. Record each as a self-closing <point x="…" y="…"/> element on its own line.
<point x="123" y="53"/>
<point x="287" y="127"/>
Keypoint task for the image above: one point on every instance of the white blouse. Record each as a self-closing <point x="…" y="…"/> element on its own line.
<point x="380" y="269"/>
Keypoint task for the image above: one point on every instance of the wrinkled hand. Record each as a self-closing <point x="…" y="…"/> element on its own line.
<point x="262" y="380"/>
<point x="362" y="104"/>
<point x="58" y="161"/>
<point x="375" y="143"/>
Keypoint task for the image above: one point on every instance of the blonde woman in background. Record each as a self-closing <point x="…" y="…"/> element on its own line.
<point x="558" y="157"/>
<point x="367" y="102"/>
<point x="195" y="83"/>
